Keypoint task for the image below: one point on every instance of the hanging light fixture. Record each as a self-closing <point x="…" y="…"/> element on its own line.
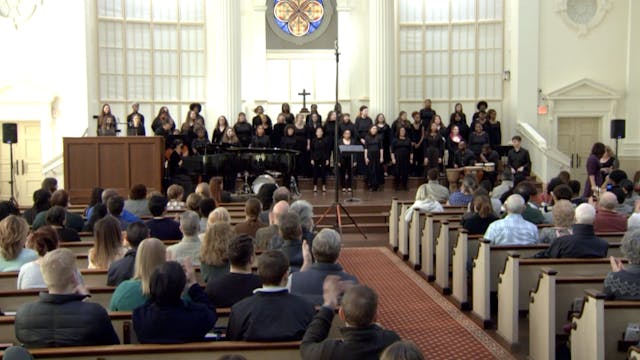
<point x="19" y="11"/>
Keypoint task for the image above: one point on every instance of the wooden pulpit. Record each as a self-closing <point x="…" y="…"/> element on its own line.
<point x="112" y="162"/>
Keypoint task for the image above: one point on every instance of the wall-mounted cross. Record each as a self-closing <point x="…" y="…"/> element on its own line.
<point x="304" y="94"/>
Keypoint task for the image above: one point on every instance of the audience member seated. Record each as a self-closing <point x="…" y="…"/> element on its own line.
<point x="633" y="222"/>
<point x="621" y="206"/>
<point x="214" y="261"/>
<point x="13" y="237"/>
<point x="265" y="195"/>
<point x="56" y="219"/>
<point x="268" y="235"/>
<point x="137" y="204"/>
<point x="531" y="212"/>
<point x="464" y="195"/>
<point x="576" y="197"/>
<point x="50" y="184"/>
<point x="60" y="198"/>
<point x="432" y="188"/>
<point x="251" y="224"/>
<point x="291" y="240"/>
<point x="513" y="229"/>
<point x="271" y="314"/>
<point x="175" y="195"/>
<point x="166" y="318"/>
<point x="115" y="206"/>
<point x="362" y="338"/>
<point x="505" y="185"/>
<point x="189" y="246"/>
<point x="16" y="353"/>
<point x="308" y="282"/>
<point x="161" y="227"/>
<point x="193" y="202"/>
<point x="61" y="317"/>
<point x="582" y="243"/>
<point x="98" y="211"/>
<point x="485" y="189"/>
<point x="123" y="269"/>
<point x="207" y="205"/>
<point x="607" y="219"/>
<point x="477" y="221"/>
<point x="402" y="350"/>
<point x="623" y="282"/>
<point x="563" y="216"/>
<point x="135" y="291"/>
<point x="239" y="282"/>
<point x="8" y="208"/>
<point x="125" y="214"/>
<point x="304" y="209"/>
<point x="42" y="241"/>
<point x="107" y="246"/>
<point x="203" y="190"/>
<point x="560" y="192"/>
<point x="41" y="202"/>
<point x="94" y="199"/>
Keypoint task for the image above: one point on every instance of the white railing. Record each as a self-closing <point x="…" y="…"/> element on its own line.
<point x="546" y="162"/>
<point x="53" y="167"/>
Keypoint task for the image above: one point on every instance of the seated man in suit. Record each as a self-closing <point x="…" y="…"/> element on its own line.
<point x="251" y="224"/>
<point x="61" y="317"/>
<point x="161" y="227"/>
<point x="266" y="235"/>
<point x="122" y="269"/>
<point x="271" y="314"/>
<point x="239" y="282"/>
<point x="361" y="339"/>
<point x="583" y="243"/>
<point x="326" y="250"/>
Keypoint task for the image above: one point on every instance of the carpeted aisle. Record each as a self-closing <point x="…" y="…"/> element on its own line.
<point x="416" y="311"/>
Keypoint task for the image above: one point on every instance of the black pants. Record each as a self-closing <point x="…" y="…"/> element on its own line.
<point x="402" y="171"/>
<point x="374" y="170"/>
<point x="418" y="162"/>
<point x="346" y="173"/>
<point x="319" y="171"/>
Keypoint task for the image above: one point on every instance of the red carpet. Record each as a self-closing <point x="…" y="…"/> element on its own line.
<point x="416" y="311"/>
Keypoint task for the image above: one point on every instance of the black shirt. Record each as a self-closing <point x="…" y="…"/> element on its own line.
<point x="122" y="269"/>
<point x="518" y="159"/>
<point x="347" y="126"/>
<point x="230" y="288"/>
<point x="320" y="149"/>
<point x="426" y="115"/>
<point x="164" y="229"/>
<point x="362" y="126"/>
<point x="261" y="142"/>
<point x="243" y="131"/>
<point x="464" y="158"/>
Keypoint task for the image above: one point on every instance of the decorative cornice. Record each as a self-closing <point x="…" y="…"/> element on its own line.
<point x="582" y="23"/>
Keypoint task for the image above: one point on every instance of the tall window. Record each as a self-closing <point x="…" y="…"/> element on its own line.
<point x="450" y="51"/>
<point x="151" y="52"/>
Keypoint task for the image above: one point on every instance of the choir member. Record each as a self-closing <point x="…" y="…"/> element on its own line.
<point x="458" y="120"/>
<point x="197" y="107"/>
<point x="488" y="155"/>
<point x="373" y="158"/>
<point x="495" y="132"/>
<point x="288" y="116"/>
<point x="482" y="107"/>
<point x="434" y="145"/>
<point x="158" y="121"/>
<point x="108" y="126"/>
<point x="401" y="121"/>
<point x="135" y="107"/>
<point x="243" y="129"/>
<point x="303" y="144"/>
<point x="346" y="124"/>
<point x="105" y="111"/>
<point x="314" y="110"/>
<point x="288" y="142"/>
<point x="278" y="130"/>
<point x="442" y="130"/>
<point x="477" y="139"/>
<point x="463" y="157"/>
<point x="186" y="130"/>
<point x="230" y="138"/>
<point x="137" y="126"/>
<point x="363" y="123"/>
<point x="329" y="128"/>
<point x="320" y="158"/>
<point x="166" y="128"/>
<point x="384" y="131"/>
<point x="427" y="113"/>
<point x="260" y="140"/>
<point x="481" y="119"/>
<point x="221" y="128"/>
<point x="453" y="139"/>
<point x="313" y="123"/>
<point x="401" y="157"/>
<point x="198" y="145"/>
<point x="262" y="119"/>
<point x="346" y="163"/>
<point x="416" y="134"/>
<point x="457" y="110"/>
<point x="518" y="158"/>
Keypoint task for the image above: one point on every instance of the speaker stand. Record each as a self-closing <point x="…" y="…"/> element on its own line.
<point x="12" y="178"/>
<point x="616" y="163"/>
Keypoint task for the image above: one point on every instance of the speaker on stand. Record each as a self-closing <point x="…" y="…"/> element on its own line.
<point x="617" y="133"/>
<point x="10" y="136"/>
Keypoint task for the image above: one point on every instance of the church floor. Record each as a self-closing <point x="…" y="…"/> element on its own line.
<point x="416" y="311"/>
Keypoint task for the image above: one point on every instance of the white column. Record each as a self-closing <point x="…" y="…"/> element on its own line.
<point x="346" y="43"/>
<point x="630" y="146"/>
<point x="381" y="54"/>
<point x="223" y="59"/>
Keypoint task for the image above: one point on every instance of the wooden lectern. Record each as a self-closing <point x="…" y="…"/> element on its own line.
<point x="112" y="162"/>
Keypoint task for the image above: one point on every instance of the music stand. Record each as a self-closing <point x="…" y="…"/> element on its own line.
<point x="337" y="206"/>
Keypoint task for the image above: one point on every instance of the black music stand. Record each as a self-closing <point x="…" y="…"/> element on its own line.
<point x="337" y="206"/>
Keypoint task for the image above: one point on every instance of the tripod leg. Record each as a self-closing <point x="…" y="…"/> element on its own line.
<point x="353" y="220"/>
<point x="339" y="218"/>
<point x="326" y="212"/>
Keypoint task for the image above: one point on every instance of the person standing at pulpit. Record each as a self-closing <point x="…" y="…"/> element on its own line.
<point x="288" y="116"/>
<point x="434" y="145"/>
<point x="453" y="140"/>
<point x="262" y="119"/>
<point x="136" y="128"/>
<point x="303" y="144"/>
<point x="278" y="131"/>
<point x="373" y="158"/>
<point x="243" y="129"/>
<point x="463" y="157"/>
<point x="221" y="128"/>
<point x="108" y="126"/>
<point x="260" y="140"/>
<point x="401" y="153"/>
<point x="416" y="134"/>
<point x="363" y="124"/>
<point x="320" y="159"/>
<point x="345" y="163"/>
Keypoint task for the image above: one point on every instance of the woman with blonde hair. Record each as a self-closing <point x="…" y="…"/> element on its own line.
<point x="213" y="251"/>
<point x="13" y="236"/>
<point x="134" y="292"/>
<point x="219" y="214"/>
<point x="108" y="243"/>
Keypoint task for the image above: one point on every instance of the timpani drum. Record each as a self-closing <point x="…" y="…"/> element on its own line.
<point x="489" y="167"/>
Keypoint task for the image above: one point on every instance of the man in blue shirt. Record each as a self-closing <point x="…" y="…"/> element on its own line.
<point x="513" y="229"/>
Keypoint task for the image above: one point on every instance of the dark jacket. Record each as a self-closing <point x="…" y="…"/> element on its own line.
<point x="164" y="229"/>
<point x="308" y="284"/>
<point x="122" y="269"/>
<point x="175" y="323"/>
<point x="582" y="244"/>
<point x="270" y="316"/>
<point x="477" y="225"/>
<point x="356" y="343"/>
<point x="63" y="320"/>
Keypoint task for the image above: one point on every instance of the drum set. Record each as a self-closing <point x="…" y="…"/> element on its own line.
<point x="455" y="174"/>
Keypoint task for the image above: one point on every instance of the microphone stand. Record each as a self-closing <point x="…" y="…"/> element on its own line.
<point x="337" y="205"/>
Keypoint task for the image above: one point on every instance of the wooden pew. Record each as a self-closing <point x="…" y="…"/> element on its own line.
<point x="521" y="275"/>
<point x="10" y="300"/>
<point x="394" y="220"/>
<point x="82" y="247"/>
<point x="595" y="332"/>
<point x="550" y="302"/>
<point x="444" y="254"/>
<point x="190" y="351"/>
<point x="465" y="246"/>
<point x="424" y="229"/>
<point x="403" y="230"/>
<point x="633" y="353"/>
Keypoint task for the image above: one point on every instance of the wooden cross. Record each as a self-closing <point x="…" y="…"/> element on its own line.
<point x="304" y="94"/>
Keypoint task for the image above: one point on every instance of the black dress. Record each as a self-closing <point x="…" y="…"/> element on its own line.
<point x="346" y="170"/>
<point x="218" y="134"/>
<point x="261" y="142"/>
<point x="257" y="121"/>
<point x="289" y="143"/>
<point x="303" y="165"/>
<point x="434" y="145"/>
<point x="243" y="131"/>
<point x="452" y="148"/>
<point x="320" y="156"/>
<point x="396" y="125"/>
<point x="495" y="134"/>
<point x="329" y="134"/>
<point x="384" y="132"/>
<point x="373" y="145"/>
<point x="401" y="149"/>
<point x="362" y="127"/>
<point x="415" y="134"/>
<point x="277" y="135"/>
<point x="476" y="141"/>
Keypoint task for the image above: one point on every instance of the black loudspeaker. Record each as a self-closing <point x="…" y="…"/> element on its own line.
<point x="9" y="133"/>
<point x="617" y="128"/>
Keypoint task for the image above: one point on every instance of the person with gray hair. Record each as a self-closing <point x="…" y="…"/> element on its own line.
<point x="126" y="215"/>
<point x="326" y="251"/>
<point x="505" y="185"/>
<point x="633" y="223"/>
<point x="623" y="282"/>
<point x="304" y="209"/>
<point x="582" y="243"/>
<point x="607" y="218"/>
<point x="291" y="244"/>
<point x="189" y="246"/>
<point x="513" y="229"/>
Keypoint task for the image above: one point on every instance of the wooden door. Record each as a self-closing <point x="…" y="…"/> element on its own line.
<point x="576" y="136"/>
<point x="27" y="164"/>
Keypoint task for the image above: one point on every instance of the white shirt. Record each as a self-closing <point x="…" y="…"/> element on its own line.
<point x="30" y="277"/>
<point x="512" y="230"/>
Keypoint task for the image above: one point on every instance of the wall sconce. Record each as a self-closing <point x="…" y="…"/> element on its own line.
<point x="506" y="75"/>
